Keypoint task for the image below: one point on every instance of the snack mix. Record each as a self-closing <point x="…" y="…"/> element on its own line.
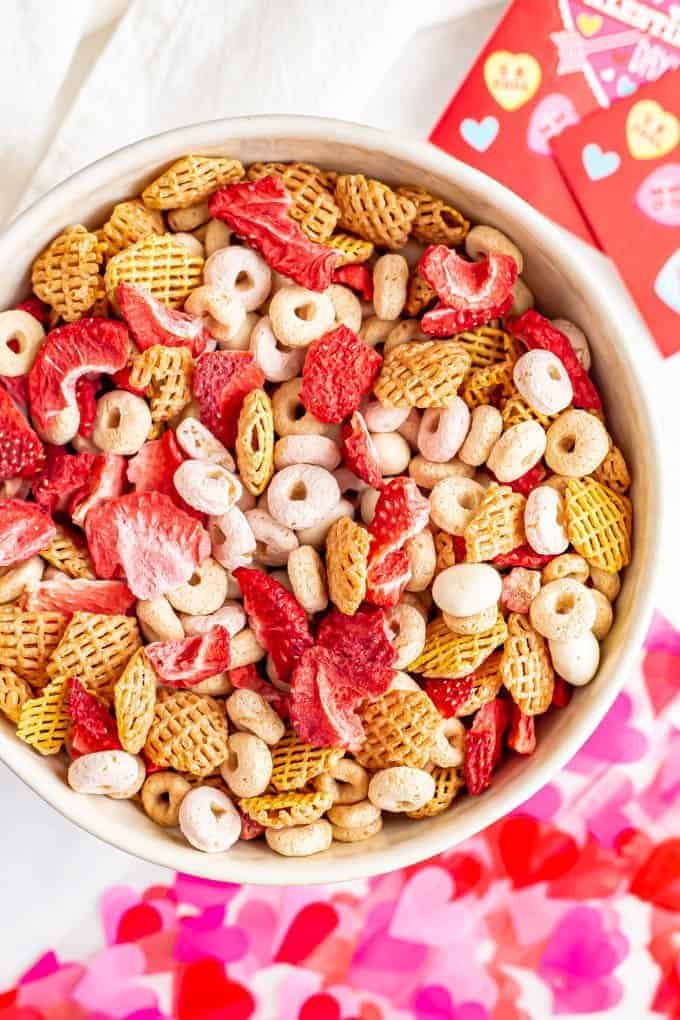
<point x="306" y="513"/>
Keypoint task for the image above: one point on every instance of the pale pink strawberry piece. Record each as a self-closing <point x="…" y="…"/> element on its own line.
<point x="69" y="352"/>
<point x="400" y="513"/>
<point x="106" y="481"/>
<point x="153" y="469"/>
<point x="277" y="619"/>
<point x="471" y="293"/>
<point x="25" y="530"/>
<point x="68" y="595"/>
<point x="221" y="382"/>
<point x="151" y="322"/>
<point x="522" y="733"/>
<point x="186" y="662"/>
<point x="387" y="578"/>
<point x="146" y="539"/>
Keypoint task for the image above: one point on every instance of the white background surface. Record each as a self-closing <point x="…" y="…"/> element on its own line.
<point x="82" y="77"/>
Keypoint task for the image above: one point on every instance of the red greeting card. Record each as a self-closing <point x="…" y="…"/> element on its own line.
<point x="623" y="166"/>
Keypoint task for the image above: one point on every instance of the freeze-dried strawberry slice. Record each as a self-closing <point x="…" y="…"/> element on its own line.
<point x="66" y="476"/>
<point x="448" y="695"/>
<point x="324" y="698"/>
<point x="250" y="829"/>
<point x="37" y="308"/>
<point x="359" y="451"/>
<point x="258" y="212"/>
<point x="387" y="577"/>
<point x="459" y="548"/>
<point x="400" y="513"/>
<point x="535" y="331"/>
<point x="94" y="729"/>
<point x="359" y="278"/>
<point x="121" y="381"/>
<point x="363" y="641"/>
<point x="151" y="322"/>
<point x="17" y="388"/>
<point x="562" y="692"/>
<point x="278" y="620"/>
<point x="86" y="398"/>
<point x="529" y="480"/>
<point x="25" y="530"/>
<point x="470" y="293"/>
<point x="68" y="595"/>
<point x="147" y="539"/>
<point x="221" y="381"/>
<point x="152" y="469"/>
<point x="21" y="452"/>
<point x="484" y="744"/>
<point x="106" y="481"/>
<point x="69" y="352"/>
<point x="188" y="661"/>
<point x="522" y="733"/>
<point x="522" y="556"/>
<point x="247" y="678"/>
<point x="338" y="373"/>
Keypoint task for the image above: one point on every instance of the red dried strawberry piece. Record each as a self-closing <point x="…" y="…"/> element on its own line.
<point x="221" y="381"/>
<point x="37" y="308"/>
<point x="359" y="451"/>
<point x="278" y="620"/>
<point x="188" y="661"/>
<point x="522" y="556"/>
<point x="25" y="530"/>
<point x="470" y="293"/>
<point x="562" y="692"/>
<point x="338" y="373"/>
<point x="121" y="381"/>
<point x="522" y="733"/>
<point x="68" y="595"/>
<point x="519" y="588"/>
<point x="448" y="695"/>
<point x="17" y="388"/>
<point x="21" y="452"/>
<point x="69" y="352"/>
<point x="363" y="640"/>
<point x="151" y="322"/>
<point x="387" y="578"/>
<point x="459" y="548"/>
<point x="247" y="678"/>
<point x="94" y="729"/>
<point x="484" y="744"/>
<point x="66" y="476"/>
<point x="106" y="481"/>
<point x="86" y="399"/>
<point x="148" y="540"/>
<point x="359" y="278"/>
<point x="400" y="513"/>
<point x="258" y="212"/>
<point x="153" y="468"/>
<point x="529" y="480"/>
<point x="250" y="829"/>
<point x="535" y="331"/>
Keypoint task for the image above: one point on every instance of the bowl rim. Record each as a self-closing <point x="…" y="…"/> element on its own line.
<point x="163" y="148"/>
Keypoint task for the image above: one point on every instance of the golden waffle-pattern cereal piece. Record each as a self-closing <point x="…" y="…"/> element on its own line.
<point x="129" y="223"/>
<point x="419" y="294"/>
<point x="446" y="551"/>
<point x="488" y="385"/>
<point x="255" y="442"/>
<point x="44" y="720"/>
<point x="454" y="655"/>
<point x="401" y="728"/>
<point x="447" y="783"/>
<point x="526" y="668"/>
<point x="613" y="471"/>
<point x="188" y="733"/>
<point x="374" y="211"/>
<point x="190" y="180"/>
<point x="486" y="683"/>
<point x="166" y="375"/>
<point x="436" y="221"/>
<point x="279" y="810"/>
<point x="486" y="345"/>
<point x="351" y="250"/>
<point x="134" y="699"/>
<point x="313" y="205"/>
<point x="66" y="274"/>
<point x="295" y="764"/>
<point x="599" y="523"/>
<point x="95" y="647"/>
<point x="27" y="640"/>
<point x="514" y="348"/>
<point x="497" y="526"/>
<point x="347" y="564"/>
<point x="14" y="693"/>
<point x="64" y="554"/>
<point x="426" y="374"/>
<point x="515" y="410"/>
<point x="159" y="263"/>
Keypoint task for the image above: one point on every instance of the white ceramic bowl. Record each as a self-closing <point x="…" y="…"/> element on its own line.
<point x="554" y="273"/>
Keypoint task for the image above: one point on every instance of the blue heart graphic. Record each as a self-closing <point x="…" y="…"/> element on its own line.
<point x="625" y="86"/>
<point x="667" y="283"/>
<point x="599" y="164"/>
<point x="479" y="133"/>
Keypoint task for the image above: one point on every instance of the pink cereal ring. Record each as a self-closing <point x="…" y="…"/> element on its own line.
<point x="576" y="338"/>
<point x="319" y="450"/>
<point x="275" y="541"/>
<point x="232" y="538"/>
<point x="242" y="273"/>
<point x="544" y="521"/>
<point x="207" y="487"/>
<point x="198" y="442"/>
<point x="301" y="495"/>
<point x="231" y="616"/>
<point x="277" y="365"/>
<point x="223" y="311"/>
<point x="384" y="419"/>
<point x="442" y="432"/>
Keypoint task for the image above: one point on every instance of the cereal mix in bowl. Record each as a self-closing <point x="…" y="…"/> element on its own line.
<point x="306" y="512"/>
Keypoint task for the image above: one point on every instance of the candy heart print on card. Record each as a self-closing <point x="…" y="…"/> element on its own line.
<point x="512" y="78"/>
<point x="652" y="131"/>
<point x="549" y="118"/>
<point x="599" y="164"/>
<point x="589" y="24"/>
<point x="659" y="195"/>
<point x="667" y="283"/>
<point x="480" y="134"/>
